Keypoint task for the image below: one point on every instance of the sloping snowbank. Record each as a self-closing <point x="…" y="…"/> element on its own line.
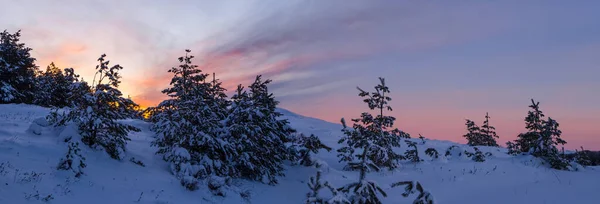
<point x="30" y="151"/>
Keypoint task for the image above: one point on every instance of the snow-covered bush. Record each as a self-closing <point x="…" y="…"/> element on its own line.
<point x="73" y="160"/>
<point x="97" y="110"/>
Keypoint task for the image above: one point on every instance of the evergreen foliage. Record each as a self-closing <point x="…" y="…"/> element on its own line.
<point x="73" y="160"/>
<point x="188" y="126"/>
<point x="372" y="134"/>
<point x="481" y="136"/>
<point x="54" y="88"/>
<point x="97" y="110"/>
<point x="315" y="184"/>
<point x="541" y="139"/>
<point x="424" y="197"/>
<point x="478" y="156"/>
<point x="259" y="135"/>
<point x="433" y="153"/>
<point x="412" y="154"/>
<point x="422" y="139"/>
<point x="305" y="147"/>
<point x="17" y="70"/>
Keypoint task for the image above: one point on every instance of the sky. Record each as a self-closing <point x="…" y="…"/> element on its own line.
<point x="444" y="61"/>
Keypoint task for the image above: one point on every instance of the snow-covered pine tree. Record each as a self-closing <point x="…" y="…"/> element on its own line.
<point x="73" y="160"/>
<point x="422" y="139"/>
<point x="305" y="146"/>
<point x="478" y="156"/>
<point x="433" y="153"/>
<point x="17" y="70"/>
<point x="54" y="87"/>
<point x="188" y="127"/>
<point x="541" y="138"/>
<point x="372" y="135"/>
<point x="260" y="136"/>
<point x="315" y="185"/>
<point x="474" y="134"/>
<point x="97" y="111"/>
<point x="488" y="133"/>
<point x="424" y="197"/>
<point x="412" y="154"/>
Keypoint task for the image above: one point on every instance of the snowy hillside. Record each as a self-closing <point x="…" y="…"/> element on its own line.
<point x="30" y="151"/>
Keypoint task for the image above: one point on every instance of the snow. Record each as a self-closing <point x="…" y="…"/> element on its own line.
<point x="30" y="151"/>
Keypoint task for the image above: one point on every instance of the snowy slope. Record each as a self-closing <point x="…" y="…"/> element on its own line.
<point x="29" y="155"/>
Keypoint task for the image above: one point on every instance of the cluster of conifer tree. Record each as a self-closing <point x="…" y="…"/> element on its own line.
<point x="93" y="109"/>
<point x="206" y="136"/>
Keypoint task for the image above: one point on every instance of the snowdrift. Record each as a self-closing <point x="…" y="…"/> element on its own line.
<point x="30" y="150"/>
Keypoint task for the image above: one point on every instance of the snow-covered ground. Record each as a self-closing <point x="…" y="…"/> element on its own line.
<point x="29" y="155"/>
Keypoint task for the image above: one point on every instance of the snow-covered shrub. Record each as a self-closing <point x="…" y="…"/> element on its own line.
<point x="316" y="185"/>
<point x="97" y="110"/>
<point x="423" y="197"/>
<point x="478" y="156"/>
<point x="304" y="147"/>
<point x="73" y="160"/>
<point x="432" y="152"/>
<point x="412" y="154"/>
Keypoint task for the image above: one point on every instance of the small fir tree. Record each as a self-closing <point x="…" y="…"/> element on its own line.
<point x="431" y="152"/>
<point x="541" y="139"/>
<point x="478" y="156"/>
<point x="412" y="154"/>
<point x="372" y="134"/>
<point x="306" y="147"/>
<point x="488" y="133"/>
<point x="73" y="160"/>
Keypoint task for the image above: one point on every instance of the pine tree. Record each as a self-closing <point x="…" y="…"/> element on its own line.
<point x="98" y="110"/>
<point x="431" y="152"/>
<point x="424" y="197"/>
<point x="54" y="88"/>
<point x="73" y="160"/>
<point x="306" y="146"/>
<point x="422" y="139"/>
<point x="478" y="156"/>
<point x="412" y="154"/>
<point x="481" y="136"/>
<point x="315" y="185"/>
<point x="488" y="133"/>
<point x="189" y="128"/>
<point x="17" y="70"/>
<point x="474" y="133"/>
<point x="258" y="133"/>
<point x="372" y="135"/>
<point x="541" y="138"/>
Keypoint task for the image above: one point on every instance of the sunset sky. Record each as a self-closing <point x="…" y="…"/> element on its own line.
<point x="444" y="61"/>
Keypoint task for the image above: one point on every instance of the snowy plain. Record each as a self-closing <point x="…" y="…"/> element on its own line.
<point x="30" y="151"/>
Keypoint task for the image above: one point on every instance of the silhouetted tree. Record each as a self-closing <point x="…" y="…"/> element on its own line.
<point x="17" y="70"/>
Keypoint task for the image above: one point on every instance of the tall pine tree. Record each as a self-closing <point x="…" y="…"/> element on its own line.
<point x="260" y="136"/>
<point x="189" y="128"/>
<point x="375" y="139"/>
<point x="17" y="70"/>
